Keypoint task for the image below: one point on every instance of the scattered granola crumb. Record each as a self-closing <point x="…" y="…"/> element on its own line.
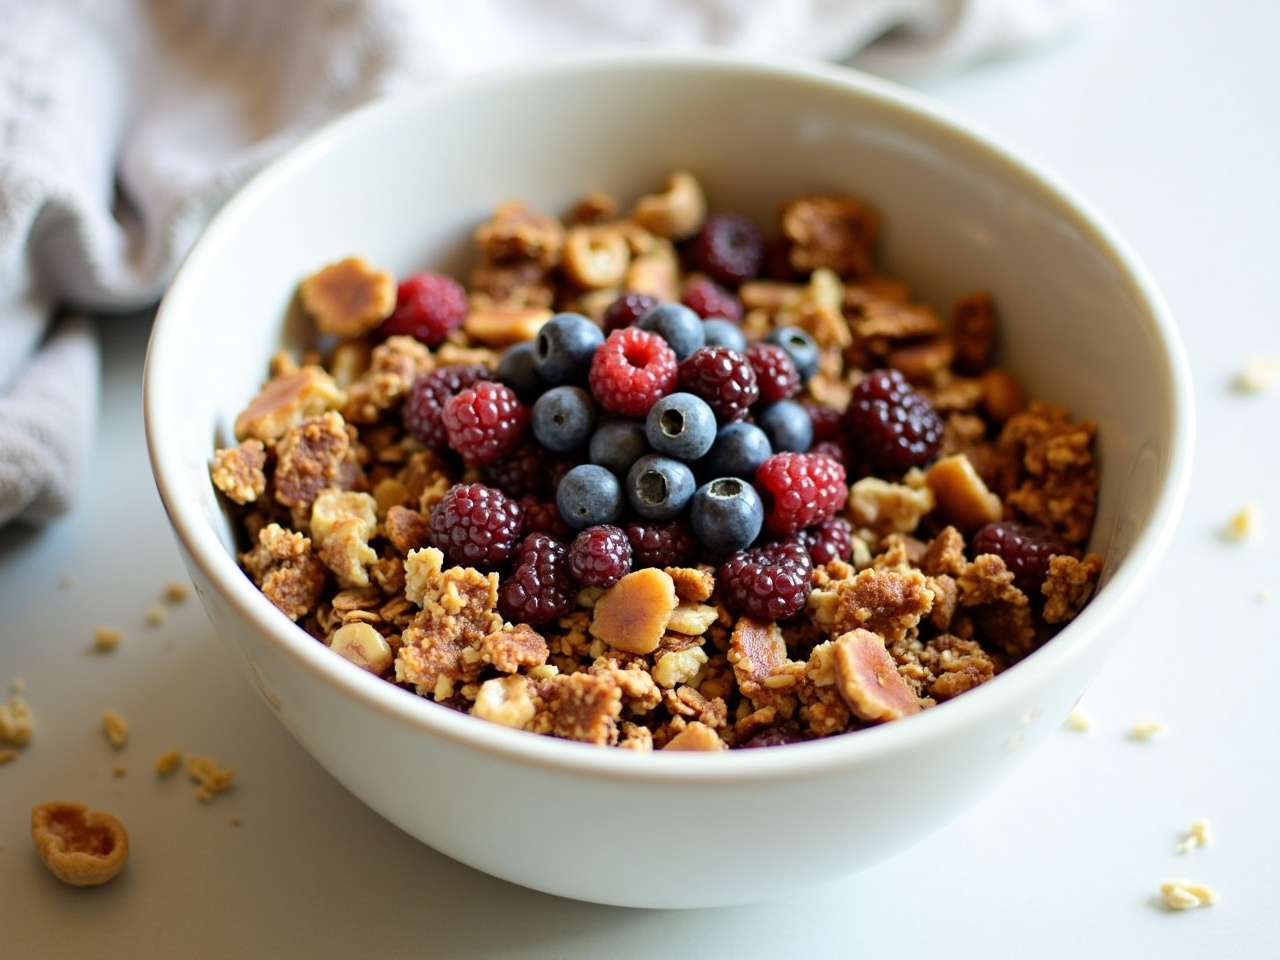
<point x="7" y="754"/>
<point x="1244" y="523"/>
<point x="1259" y="374"/>
<point x="1145" y="729"/>
<point x="80" y="846"/>
<point x="106" y="639"/>
<point x="17" y="722"/>
<point x="176" y="591"/>
<point x="120" y="771"/>
<point x="18" y="686"/>
<point x="115" y="727"/>
<point x="211" y="778"/>
<point x="236" y="821"/>
<point x="1186" y="895"/>
<point x="168" y="762"/>
<point x="156" y="615"/>
<point x="1079" y="720"/>
<point x="1198" y="835"/>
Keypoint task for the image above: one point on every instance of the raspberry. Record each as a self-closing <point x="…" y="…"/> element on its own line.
<point x="520" y="471"/>
<point x="484" y="422"/>
<point x="889" y="425"/>
<point x="830" y="540"/>
<point x="475" y="525"/>
<point x="799" y="490"/>
<point x="631" y="370"/>
<point x="723" y="378"/>
<point x="429" y="306"/>
<point x="539" y="587"/>
<point x="729" y="248"/>
<point x="626" y="310"/>
<point x="425" y="402"/>
<point x="1024" y="548"/>
<point x="776" y="372"/>
<point x="708" y="299"/>
<point x="600" y="556"/>
<point x="771" y="582"/>
<point x="660" y="543"/>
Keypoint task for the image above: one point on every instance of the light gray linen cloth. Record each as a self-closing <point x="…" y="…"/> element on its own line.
<point x="125" y="123"/>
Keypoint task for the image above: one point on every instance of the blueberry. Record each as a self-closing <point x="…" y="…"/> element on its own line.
<point x="587" y="495"/>
<point x="681" y="425"/>
<point x="719" y="332"/>
<point x="517" y="370"/>
<point x="658" y="488"/>
<point x="677" y="324"/>
<point x="563" y="348"/>
<point x="738" y="450"/>
<point x="787" y="425"/>
<point x="726" y="514"/>
<point x="563" y="418"/>
<point x="799" y="343"/>
<point x="617" y="444"/>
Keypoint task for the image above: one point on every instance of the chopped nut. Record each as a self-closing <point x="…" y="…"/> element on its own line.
<point x="1079" y="720"/>
<point x="676" y="213"/>
<point x="868" y="679"/>
<point x="632" y="615"/>
<point x="349" y="297"/>
<point x="1145" y="729"/>
<point x="696" y="736"/>
<point x="1183" y="894"/>
<point x="1258" y="374"/>
<point x="364" y="646"/>
<point x="595" y="257"/>
<point x="342" y="523"/>
<point x="1197" y="836"/>
<point x="962" y="497"/>
<point x="886" y="507"/>
<point x="671" y="670"/>
<point x="115" y="727"/>
<point x="501" y="327"/>
<point x="506" y="700"/>
<point x="692" y="619"/>
<point x="81" y="847"/>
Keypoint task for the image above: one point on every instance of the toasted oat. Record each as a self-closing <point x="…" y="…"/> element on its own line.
<point x="1181" y="894"/>
<point x="1198" y="835"/>
<point x="106" y="639"/>
<point x="1258" y="374"/>
<point x="349" y="297"/>
<point x="1079" y="720"/>
<point x="1145" y="729"/>
<point x="211" y="779"/>
<point x="115" y="727"/>
<point x="156" y="615"/>
<point x="167" y="762"/>
<point x="1244" y="523"/>
<point x="176" y="591"/>
<point x="17" y="722"/>
<point x="81" y="847"/>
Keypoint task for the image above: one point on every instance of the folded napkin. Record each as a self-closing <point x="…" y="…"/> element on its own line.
<point x="124" y="124"/>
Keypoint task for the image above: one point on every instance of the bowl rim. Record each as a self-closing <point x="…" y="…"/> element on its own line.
<point x="1003" y="696"/>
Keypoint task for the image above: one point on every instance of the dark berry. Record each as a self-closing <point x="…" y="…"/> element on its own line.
<point x="709" y="299"/>
<point x="738" y="451"/>
<point x="542" y="516"/>
<point x="775" y="372"/>
<point x="1025" y="549"/>
<point x="722" y="377"/>
<point x="830" y="540"/>
<point x="424" y="405"/>
<point x="516" y="369"/>
<point x="484" y="422"/>
<point x="600" y="556"/>
<point x="617" y="444"/>
<point x="661" y="543"/>
<point x="723" y="333"/>
<point x="726" y="515"/>
<point x="632" y="369"/>
<point x="769" y="583"/>
<point x="729" y="248"/>
<point x="429" y="306"/>
<point x="799" y="489"/>
<point x="800" y="346"/>
<point x="626" y="310"/>
<point x="681" y="425"/>
<point x="563" y="348"/>
<point x="475" y="525"/>
<point x="891" y="427"/>
<point x="658" y="487"/>
<point x="564" y="418"/>
<point x="675" y="323"/>
<point x="828" y="422"/>
<point x="776" y="736"/>
<point x="519" y="472"/>
<point x="540" y="587"/>
<point x="587" y="495"/>
<point x="787" y="425"/>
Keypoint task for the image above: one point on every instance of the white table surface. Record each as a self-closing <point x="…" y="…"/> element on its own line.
<point x="1166" y="114"/>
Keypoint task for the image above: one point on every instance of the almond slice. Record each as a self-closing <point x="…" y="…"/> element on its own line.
<point x="632" y="615"/>
<point x="868" y="679"/>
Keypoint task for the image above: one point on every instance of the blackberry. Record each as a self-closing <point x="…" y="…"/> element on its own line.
<point x="889" y="426"/>
<point x="832" y="539"/>
<point x="660" y="543"/>
<point x="423" y="408"/>
<point x="600" y="556"/>
<point x="539" y="587"/>
<point x="776" y="372"/>
<point x="722" y="377"/>
<point x="475" y="525"/>
<point x="519" y="472"/>
<point x="542" y="516"/>
<point x="626" y="310"/>
<point x="729" y="248"/>
<point x="770" y="582"/>
<point x="1025" y="549"/>
<point x="709" y="299"/>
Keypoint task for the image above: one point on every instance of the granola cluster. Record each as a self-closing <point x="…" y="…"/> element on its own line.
<point x="334" y="495"/>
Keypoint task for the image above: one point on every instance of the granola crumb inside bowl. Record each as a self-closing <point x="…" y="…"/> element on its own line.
<point x="1082" y="327"/>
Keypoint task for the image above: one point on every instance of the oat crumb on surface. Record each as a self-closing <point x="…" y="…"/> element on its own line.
<point x="168" y="762"/>
<point x="210" y="778"/>
<point x="119" y="771"/>
<point x="1197" y="835"/>
<point x="1244" y="523"/>
<point x="1145" y="729"/>
<point x="115" y="727"/>
<point x="17" y="722"/>
<point x="1258" y="374"/>
<point x="176" y="591"/>
<point x="1182" y="894"/>
<point x="1079" y="720"/>
<point x="106" y="639"/>
<point x="156" y="615"/>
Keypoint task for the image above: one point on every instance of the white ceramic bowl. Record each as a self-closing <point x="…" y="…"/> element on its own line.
<point x="403" y="182"/>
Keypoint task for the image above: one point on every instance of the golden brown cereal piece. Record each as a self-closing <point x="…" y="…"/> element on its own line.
<point x="580" y="706"/>
<point x="1001" y="395"/>
<point x="888" y="602"/>
<point x="696" y="736"/>
<point x="310" y="459"/>
<point x="115" y="727"/>
<point x="393" y="366"/>
<point x="830" y="231"/>
<point x="957" y="665"/>
<point x="167" y="762"/>
<point x="285" y="401"/>
<point x="693" y="583"/>
<point x="285" y="570"/>
<point x="1069" y="585"/>
<point x="515" y="232"/>
<point x="501" y="327"/>
<point x="210" y="778"/>
<point x="514" y="648"/>
<point x="342" y="522"/>
<point x="868" y="679"/>
<point x="348" y="298"/>
<point x="677" y="212"/>
<point x="106" y="639"/>
<point x="595" y="257"/>
<point x="973" y="329"/>
<point x="82" y="847"/>
<point x="962" y="497"/>
<point x="1059" y="489"/>
<point x="364" y="646"/>
<point x="238" y="471"/>
<point x="632" y="615"/>
<point x="656" y="271"/>
<point x="757" y="650"/>
<point x="17" y="722"/>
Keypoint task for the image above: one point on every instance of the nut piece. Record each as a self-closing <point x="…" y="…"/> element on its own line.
<point x="869" y="680"/>
<point x="596" y="257"/>
<point x="632" y="615"/>
<point x="961" y="495"/>
<point x="1186" y="895"/>
<point x="349" y="297"/>
<point x="696" y="736"/>
<point x="286" y="401"/>
<point x="678" y="212"/>
<point x="80" y="846"/>
<point x="501" y="327"/>
<point x="364" y="646"/>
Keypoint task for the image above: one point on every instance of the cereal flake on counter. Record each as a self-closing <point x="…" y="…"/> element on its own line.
<point x="1079" y="721"/>
<point x="1182" y="894"/>
<point x="1245" y="523"/>
<point x="1145" y="729"/>
<point x="17" y="722"/>
<point x="115" y="727"/>
<point x="81" y="847"/>
<point x="167" y="762"/>
<point x="106" y="639"/>
<point x="1197" y="835"/>
<point x="1258" y="374"/>
<point x="210" y="778"/>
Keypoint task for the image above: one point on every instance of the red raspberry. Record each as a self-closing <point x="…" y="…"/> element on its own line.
<point x="631" y="371"/>
<point x="539" y="587"/>
<point x="707" y="299"/>
<point x="660" y="543"/>
<point x="729" y="248"/>
<point x="429" y="306"/>
<point x="775" y="372"/>
<point x="626" y="310"/>
<point x="830" y="540"/>
<point x="722" y="377"/>
<point x="424" y="404"/>
<point x="770" y="582"/>
<point x="890" y="427"/>
<point x="484" y="422"/>
<point x="475" y="525"/>
<point x="799" y="490"/>
<point x="1025" y="549"/>
<point x="600" y="556"/>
